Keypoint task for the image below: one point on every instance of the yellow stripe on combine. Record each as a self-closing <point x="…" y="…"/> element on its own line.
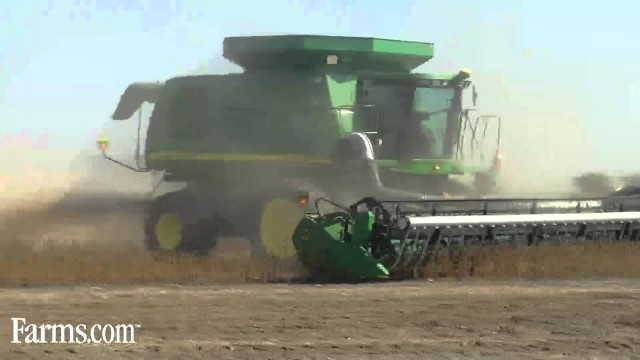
<point x="176" y="155"/>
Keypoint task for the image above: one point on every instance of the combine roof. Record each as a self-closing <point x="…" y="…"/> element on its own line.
<point x="286" y="51"/>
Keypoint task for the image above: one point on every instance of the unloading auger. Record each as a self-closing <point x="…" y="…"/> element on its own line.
<point x="375" y="239"/>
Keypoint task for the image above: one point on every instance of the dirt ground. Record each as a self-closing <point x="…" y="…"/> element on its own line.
<point x="440" y="319"/>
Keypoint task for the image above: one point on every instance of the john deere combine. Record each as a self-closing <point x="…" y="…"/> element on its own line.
<point x="340" y="117"/>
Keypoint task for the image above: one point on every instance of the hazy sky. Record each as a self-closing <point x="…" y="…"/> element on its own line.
<point x="64" y="64"/>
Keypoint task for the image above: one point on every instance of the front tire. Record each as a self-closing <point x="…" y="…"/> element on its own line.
<point x="275" y="224"/>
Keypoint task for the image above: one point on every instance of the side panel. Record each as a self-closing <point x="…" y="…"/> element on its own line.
<point x="263" y="118"/>
<point x="240" y="113"/>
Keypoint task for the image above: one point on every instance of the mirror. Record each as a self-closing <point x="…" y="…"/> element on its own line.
<point x="475" y="95"/>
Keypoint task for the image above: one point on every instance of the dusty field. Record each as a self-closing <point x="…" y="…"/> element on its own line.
<point x="441" y="319"/>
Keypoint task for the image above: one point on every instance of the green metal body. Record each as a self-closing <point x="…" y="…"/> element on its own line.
<point x="336" y="245"/>
<point x="297" y="96"/>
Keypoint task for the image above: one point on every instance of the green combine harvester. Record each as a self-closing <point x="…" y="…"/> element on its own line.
<point x="341" y="118"/>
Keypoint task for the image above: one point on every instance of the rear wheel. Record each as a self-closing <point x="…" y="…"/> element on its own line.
<point x="168" y="227"/>
<point x="167" y="231"/>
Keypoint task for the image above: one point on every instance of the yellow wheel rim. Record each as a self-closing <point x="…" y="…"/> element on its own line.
<point x="169" y="231"/>
<point x="277" y="223"/>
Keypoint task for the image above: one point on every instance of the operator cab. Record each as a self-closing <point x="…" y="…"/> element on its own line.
<point x="410" y="116"/>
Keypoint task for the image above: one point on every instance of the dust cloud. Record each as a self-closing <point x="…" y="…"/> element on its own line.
<point x="60" y="196"/>
<point x="31" y="175"/>
<point x="543" y="141"/>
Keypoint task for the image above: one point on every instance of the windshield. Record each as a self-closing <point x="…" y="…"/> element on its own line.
<point x="411" y="121"/>
<point x="431" y="107"/>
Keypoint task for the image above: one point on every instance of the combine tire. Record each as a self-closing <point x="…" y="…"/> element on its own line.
<point x="272" y="233"/>
<point x="168" y="229"/>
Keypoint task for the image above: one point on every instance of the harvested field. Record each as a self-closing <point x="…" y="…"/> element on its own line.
<point x="411" y="320"/>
